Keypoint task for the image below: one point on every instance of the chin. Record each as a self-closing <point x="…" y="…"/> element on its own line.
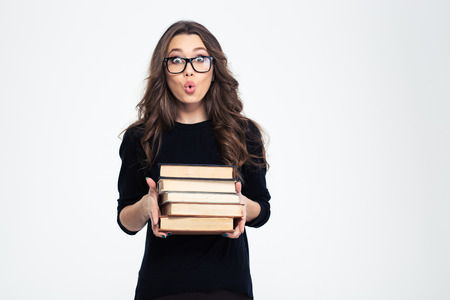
<point x="190" y="98"/>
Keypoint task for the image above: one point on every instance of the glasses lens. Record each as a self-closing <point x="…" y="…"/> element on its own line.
<point x="201" y="63"/>
<point x="175" y="64"/>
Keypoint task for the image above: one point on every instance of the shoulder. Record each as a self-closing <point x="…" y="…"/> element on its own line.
<point x="252" y="128"/>
<point x="131" y="140"/>
<point x="253" y="137"/>
<point x="133" y="134"/>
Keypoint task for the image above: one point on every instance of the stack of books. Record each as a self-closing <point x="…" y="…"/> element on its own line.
<point x="197" y="199"/>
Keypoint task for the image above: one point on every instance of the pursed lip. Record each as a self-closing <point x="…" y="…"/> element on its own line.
<point x="189" y="87"/>
<point x="189" y="84"/>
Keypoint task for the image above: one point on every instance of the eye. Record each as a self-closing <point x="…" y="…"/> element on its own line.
<point x="176" y="60"/>
<point x="199" y="59"/>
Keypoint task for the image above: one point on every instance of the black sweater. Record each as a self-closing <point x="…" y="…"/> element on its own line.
<point x="180" y="264"/>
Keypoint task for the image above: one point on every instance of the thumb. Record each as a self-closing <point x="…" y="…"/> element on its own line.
<point x="154" y="214"/>
<point x="151" y="183"/>
<point x="238" y="187"/>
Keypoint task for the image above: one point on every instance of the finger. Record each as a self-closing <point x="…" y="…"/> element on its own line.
<point x="154" y="209"/>
<point x="238" y="230"/>
<point x="154" y="216"/>
<point x="155" y="213"/>
<point x="238" y="187"/>
<point x="243" y="219"/>
<point x="151" y="183"/>
<point x="233" y="234"/>
<point x="241" y="225"/>
<point x="158" y="233"/>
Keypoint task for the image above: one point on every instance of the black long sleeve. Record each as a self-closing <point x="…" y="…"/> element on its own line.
<point x="188" y="263"/>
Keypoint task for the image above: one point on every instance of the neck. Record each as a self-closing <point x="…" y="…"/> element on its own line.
<point x="190" y="113"/>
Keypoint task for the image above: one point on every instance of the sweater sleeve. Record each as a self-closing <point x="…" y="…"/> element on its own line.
<point x="254" y="179"/>
<point x="131" y="184"/>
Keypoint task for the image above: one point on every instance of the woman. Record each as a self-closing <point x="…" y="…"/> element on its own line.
<point x="191" y="113"/>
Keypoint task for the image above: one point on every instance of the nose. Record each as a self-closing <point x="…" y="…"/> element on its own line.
<point x="189" y="71"/>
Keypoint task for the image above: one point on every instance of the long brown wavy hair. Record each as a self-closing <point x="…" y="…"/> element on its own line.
<point x="157" y="111"/>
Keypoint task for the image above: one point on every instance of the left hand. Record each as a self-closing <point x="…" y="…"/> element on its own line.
<point x="240" y="225"/>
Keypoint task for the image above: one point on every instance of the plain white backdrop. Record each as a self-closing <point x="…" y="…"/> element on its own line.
<point x="355" y="96"/>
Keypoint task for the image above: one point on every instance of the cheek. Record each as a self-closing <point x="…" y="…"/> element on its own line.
<point x="172" y="83"/>
<point x="207" y="80"/>
<point x="206" y="85"/>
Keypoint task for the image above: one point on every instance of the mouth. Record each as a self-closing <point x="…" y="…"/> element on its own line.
<point x="189" y="87"/>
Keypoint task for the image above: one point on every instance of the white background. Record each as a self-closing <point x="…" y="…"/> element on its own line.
<point x="355" y="96"/>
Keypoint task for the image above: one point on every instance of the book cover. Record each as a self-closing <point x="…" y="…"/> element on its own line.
<point x="198" y="197"/>
<point x="196" y="171"/>
<point x="195" y="185"/>
<point x="202" y="209"/>
<point x="196" y="225"/>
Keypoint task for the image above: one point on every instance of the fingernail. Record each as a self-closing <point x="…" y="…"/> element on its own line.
<point x="225" y="234"/>
<point x="163" y="236"/>
<point x="169" y="234"/>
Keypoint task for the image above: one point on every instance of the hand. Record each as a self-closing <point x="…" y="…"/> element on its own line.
<point x="152" y="208"/>
<point x="239" y="229"/>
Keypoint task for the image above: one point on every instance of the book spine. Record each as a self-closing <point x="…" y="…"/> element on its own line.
<point x="195" y="165"/>
<point x="196" y="178"/>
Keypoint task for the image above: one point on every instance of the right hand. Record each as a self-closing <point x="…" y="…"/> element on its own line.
<point x="151" y="207"/>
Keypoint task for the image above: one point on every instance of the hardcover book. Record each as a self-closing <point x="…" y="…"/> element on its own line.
<point x="196" y="185"/>
<point x="196" y="225"/>
<point x="202" y="209"/>
<point x="198" y="197"/>
<point x="196" y="171"/>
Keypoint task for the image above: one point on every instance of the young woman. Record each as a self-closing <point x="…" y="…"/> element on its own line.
<point x="191" y="113"/>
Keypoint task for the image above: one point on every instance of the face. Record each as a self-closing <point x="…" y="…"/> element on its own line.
<point x="189" y="86"/>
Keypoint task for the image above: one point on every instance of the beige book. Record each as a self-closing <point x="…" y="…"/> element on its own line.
<point x="195" y="225"/>
<point x="202" y="209"/>
<point x="196" y="171"/>
<point x="198" y="197"/>
<point x="195" y="185"/>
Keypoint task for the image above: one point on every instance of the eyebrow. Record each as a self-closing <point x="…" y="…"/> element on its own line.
<point x="181" y="50"/>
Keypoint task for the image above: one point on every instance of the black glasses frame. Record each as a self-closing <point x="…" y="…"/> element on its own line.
<point x="190" y="61"/>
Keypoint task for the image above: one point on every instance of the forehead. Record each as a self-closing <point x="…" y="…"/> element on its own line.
<point x="186" y="43"/>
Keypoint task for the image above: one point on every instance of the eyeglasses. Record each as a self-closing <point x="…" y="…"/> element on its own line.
<point x="200" y="64"/>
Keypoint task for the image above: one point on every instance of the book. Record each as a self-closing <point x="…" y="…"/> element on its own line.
<point x="202" y="209"/>
<point x="198" y="197"/>
<point x="196" y="185"/>
<point x="196" y="225"/>
<point x="196" y="171"/>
